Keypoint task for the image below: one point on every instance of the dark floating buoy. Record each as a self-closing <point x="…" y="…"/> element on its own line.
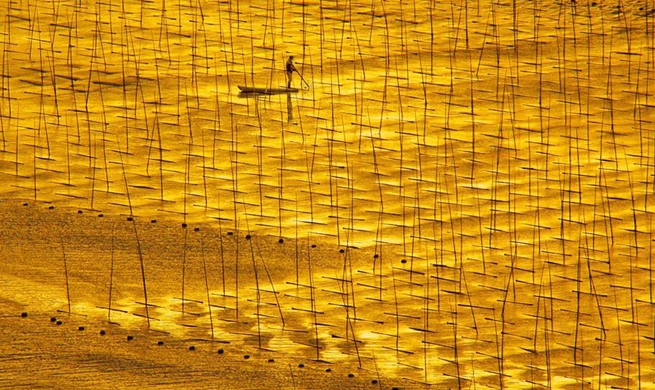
<point x="184" y="226"/>
<point x="403" y="261"/>
<point x="271" y="360"/>
<point x="220" y="351"/>
<point x="376" y="256"/>
<point x="248" y="236"/>
<point x="100" y="215"/>
<point x="313" y="245"/>
<point x="153" y="221"/>
<point x="280" y="241"/>
<point x="130" y="218"/>
<point x="23" y="314"/>
<point x="192" y="348"/>
<point x="230" y="233"/>
<point x="394" y="388"/>
<point x="351" y="375"/>
<point x="130" y="338"/>
<point x="80" y="328"/>
<point x="328" y="370"/>
<point x="374" y="382"/>
<point x="59" y="322"/>
<point x="246" y="357"/>
<point x="160" y="342"/>
<point x="53" y="319"/>
<point x="196" y="229"/>
<point x="51" y="207"/>
<point x="102" y="332"/>
<point x="80" y="211"/>
<point x="26" y="204"/>
<point x="301" y="365"/>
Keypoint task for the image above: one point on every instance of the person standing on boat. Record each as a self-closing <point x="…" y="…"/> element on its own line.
<point x="290" y="68"/>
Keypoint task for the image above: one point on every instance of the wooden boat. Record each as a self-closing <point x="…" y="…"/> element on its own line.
<point x="266" y="91"/>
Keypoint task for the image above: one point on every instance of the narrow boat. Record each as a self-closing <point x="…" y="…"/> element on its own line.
<point x="266" y="91"/>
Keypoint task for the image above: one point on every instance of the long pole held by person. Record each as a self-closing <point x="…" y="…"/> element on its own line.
<point x="290" y="68"/>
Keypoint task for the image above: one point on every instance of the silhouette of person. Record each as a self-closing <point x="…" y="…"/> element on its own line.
<point x="290" y="68"/>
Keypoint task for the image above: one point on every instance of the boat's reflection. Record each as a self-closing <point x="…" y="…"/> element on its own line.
<point x="263" y="93"/>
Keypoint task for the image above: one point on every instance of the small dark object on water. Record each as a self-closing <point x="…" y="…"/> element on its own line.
<point x="246" y="357"/>
<point x="130" y="338"/>
<point x="230" y="233"/>
<point x="351" y="375"/>
<point x="80" y="328"/>
<point x="280" y="241"/>
<point x="130" y="219"/>
<point x="245" y="90"/>
<point x="59" y="322"/>
<point x="301" y="365"/>
<point x="51" y="207"/>
<point x="403" y="261"/>
<point x="313" y="245"/>
<point x="374" y="382"/>
<point x="184" y="226"/>
<point x="102" y="332"/>
<point x="160" y="342"/>
<point x="153" y="221"/>
<point x="341" y="250"/>
<point x="271" y="360"/>
<point x="328" y="370"/>
<point x="100" y="215"/>
<point x="192" y="348"/>
<point x="53" y="319"/>
<point x="80" y="211"/>
<point x="23" y="314"/>
<point x="220" y="351"/>
<point x="26" y="204"/>
<point x="196" y="229"/>
<point x="248" y="236"/>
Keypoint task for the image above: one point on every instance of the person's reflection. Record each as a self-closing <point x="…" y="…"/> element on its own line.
<point x="289" y="107"/>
